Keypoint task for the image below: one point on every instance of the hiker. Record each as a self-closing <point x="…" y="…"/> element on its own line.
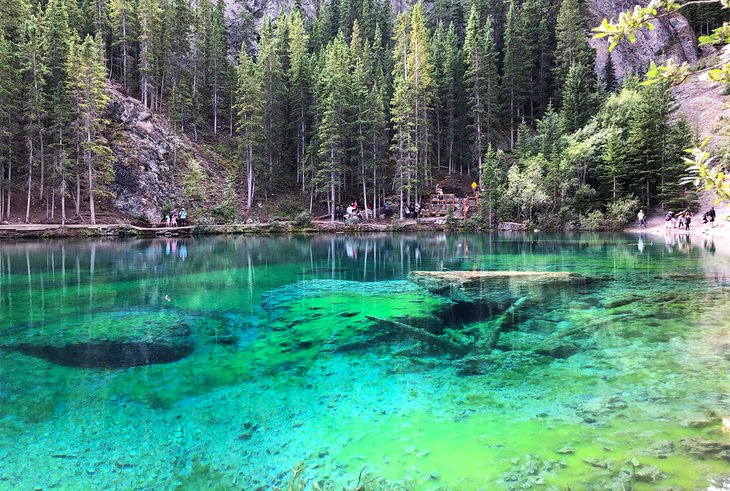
<point x="167" y="220"/>
<point x="174" y="218"/>
<point x="183" y="217"/>
<point x="439" y="190"/>
<point x="387" y="210"/>
<point x="687" y="219"/>
<point x="711" y="216"/>
<point x="641" y="218"/>
<point x="669" y="220"/>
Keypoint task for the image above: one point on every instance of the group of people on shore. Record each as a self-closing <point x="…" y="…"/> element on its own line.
<point x="176" y="218"/>
<point x="343" y="213"/>
<point x="681" y="220"/>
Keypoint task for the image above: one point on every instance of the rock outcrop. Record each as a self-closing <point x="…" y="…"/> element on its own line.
<point x="150" y="159"/>
<point x="672" y="38"/>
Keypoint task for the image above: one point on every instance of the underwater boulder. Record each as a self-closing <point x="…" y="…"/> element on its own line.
<point x="116" y="339"/>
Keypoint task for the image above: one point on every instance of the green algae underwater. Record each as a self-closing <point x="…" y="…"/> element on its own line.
<point x="228" y="362"/>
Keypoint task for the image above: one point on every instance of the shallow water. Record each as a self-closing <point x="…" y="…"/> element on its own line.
<point x="226" y="363"/>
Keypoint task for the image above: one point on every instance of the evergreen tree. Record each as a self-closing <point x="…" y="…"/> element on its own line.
<point x="149" y="14"/>
<point x="578" y="99"/>
<point x="250" y="134"/>
<point x="57" y="40"/>
<point x="609" y="76"/>
<point x="412" y="99"/>
<point x="34" y="83"/>
<point x="647" y="143"/>
<point x="490" y="179"/>
<point x="299" y="85"/>
<point x="515" y="79"/>
<point x="671" y="193"/>
<point x="481" y="83"/>
<point x="179" y="22"/>
<point x="442" y="79"/>
<point x="274" y="97"/>
<point x="123" y="34"/>
<point x="333" y="107"/>
<point x="219" y="67"/>
<point x="10" y="88"/>
<point x="571" y="32"/>
<point x="87" y="80"/>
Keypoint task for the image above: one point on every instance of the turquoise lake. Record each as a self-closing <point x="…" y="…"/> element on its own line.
<point x="326" y="362"/>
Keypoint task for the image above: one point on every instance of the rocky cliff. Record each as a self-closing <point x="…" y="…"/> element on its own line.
<point x="672" y="38"/>
<point x="151" y="161"/>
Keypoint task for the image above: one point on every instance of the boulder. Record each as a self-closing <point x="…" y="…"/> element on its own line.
<point x="117" y="339"/>
<point x="704" y="449"/>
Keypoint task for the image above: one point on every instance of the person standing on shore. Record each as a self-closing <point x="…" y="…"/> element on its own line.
<point x="641" y="218"/>
<point x="711" y="216"/>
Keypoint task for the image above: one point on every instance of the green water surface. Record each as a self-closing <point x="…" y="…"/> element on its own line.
<point x="228" y="362"/>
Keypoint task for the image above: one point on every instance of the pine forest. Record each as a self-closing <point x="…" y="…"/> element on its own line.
<point x="346" y="100"/>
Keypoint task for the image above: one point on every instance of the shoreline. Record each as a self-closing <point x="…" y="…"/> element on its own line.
<point x="56" y="231"/>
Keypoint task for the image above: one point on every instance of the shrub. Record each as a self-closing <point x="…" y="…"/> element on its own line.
<point x="621" y="211"/>
<point x="194" y="181"/>
<point x="591" y="221"/>
<point x="227" y="211"/>
<point x="303" y="219"/>
<point x="451" y="221"/>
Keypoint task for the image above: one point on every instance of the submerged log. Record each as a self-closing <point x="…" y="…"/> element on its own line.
<point x="489" y="339"/>
<point x="468" y="278"/>
<point x="422" y="335"/>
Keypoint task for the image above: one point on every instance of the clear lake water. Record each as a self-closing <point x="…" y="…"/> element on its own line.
<point x="322" y="362"/>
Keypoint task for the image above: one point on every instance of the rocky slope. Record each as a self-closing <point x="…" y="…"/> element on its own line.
<point x="151" y="161"/>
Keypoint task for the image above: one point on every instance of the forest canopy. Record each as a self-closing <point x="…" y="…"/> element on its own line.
<point x="354" y="100"/>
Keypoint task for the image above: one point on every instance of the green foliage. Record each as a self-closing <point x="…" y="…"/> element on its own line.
<point x="302" y="219"/>
<point x="591" y="221"/>
<point x="620" y="212"/>
<point x="227" y="209"/>
<point x="451" y="221"/>
<point x="572" y="43"/>
<point x="195" y="181"/>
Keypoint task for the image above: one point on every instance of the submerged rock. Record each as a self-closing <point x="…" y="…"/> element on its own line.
<point x="704" y="448"/>
<point x="648" y="473"/>
<point x="118" y="339"/>
<point x="556" y="347"/>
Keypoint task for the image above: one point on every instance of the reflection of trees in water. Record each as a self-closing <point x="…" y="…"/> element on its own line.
<point x="145" y="271"/>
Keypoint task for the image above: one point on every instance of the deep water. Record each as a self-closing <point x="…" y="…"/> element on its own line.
<point x="231" y="362"/>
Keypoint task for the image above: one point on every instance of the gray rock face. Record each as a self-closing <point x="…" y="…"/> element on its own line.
<point x="147" y="176"/>
<point x="151" y="161"/>
<point x="672" y="38"/>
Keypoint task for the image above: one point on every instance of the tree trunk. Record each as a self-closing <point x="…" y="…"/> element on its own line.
<point x="30" y="177"/>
